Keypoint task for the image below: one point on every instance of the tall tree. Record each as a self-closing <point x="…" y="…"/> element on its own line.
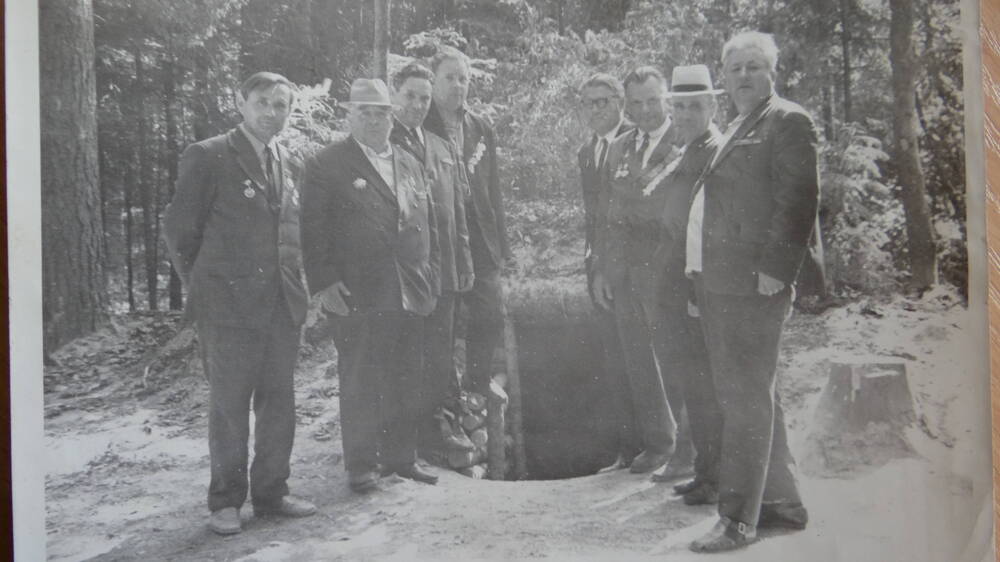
<point x="380" y="51"/>
<point x="74" y="292"/>
<point x="920" y="240"/>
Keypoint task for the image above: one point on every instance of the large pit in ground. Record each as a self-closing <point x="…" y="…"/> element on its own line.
<point x="567" y="411"/>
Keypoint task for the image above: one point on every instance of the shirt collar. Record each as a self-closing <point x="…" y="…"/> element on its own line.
<point x="611" y="134"/>
<point x="258" y="147"/>
<point x="371" y="153"/>
<point x="655" y="134"/>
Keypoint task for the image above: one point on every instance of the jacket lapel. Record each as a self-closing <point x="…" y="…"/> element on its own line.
<point x="364" y="167"/>
<point x="746" y="126"/>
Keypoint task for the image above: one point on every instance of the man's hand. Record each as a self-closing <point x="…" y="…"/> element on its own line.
<point x="767" y="285"/>
<point x="331" y="299"/>
<point x="465" y="281"/>
<point x="602" y="291"/>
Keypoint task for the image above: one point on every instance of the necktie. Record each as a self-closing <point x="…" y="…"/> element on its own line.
<point x="642" y="147"/>
<point x="270" y="169"/>
<point x="415" y="139"/>
<point x="602" y="153"/>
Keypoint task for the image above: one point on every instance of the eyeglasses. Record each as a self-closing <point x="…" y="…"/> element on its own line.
<point x="596" y="103"/>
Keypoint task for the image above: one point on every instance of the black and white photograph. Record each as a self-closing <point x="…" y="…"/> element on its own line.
<point x="298" y="280"/>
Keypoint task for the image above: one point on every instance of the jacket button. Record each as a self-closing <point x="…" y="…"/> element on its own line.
<point x="418" y="228"/>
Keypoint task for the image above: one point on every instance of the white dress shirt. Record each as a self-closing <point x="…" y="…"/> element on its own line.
<point x="654" y="139"/>
<point x="382" y="161"/>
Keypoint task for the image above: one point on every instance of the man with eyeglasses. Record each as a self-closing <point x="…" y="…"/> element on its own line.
<point x="601" y="107"/>
<point x="370" y="245"/>
<point x="626" y="280"/>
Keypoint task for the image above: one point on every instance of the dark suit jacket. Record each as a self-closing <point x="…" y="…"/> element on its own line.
<point x="676" y="190"/>
<point x="236" y="253"/>
<point x="628" y="232"/>
<point x="382" y="245"/>
<point x="484" y="208"/>
<point x="761" y="199"/>
<point x="449" y="187"/>
<point x="591" y="183"/>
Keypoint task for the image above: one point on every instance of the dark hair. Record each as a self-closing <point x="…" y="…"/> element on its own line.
<point x="643" y="73"/>
<point x="263" y="80"/>
<point x="412" y="70"/>
<point x="604" y="80"/>
<point x="448" y="53"/>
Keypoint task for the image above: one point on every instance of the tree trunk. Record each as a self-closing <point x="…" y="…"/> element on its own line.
<point x="170" y="159"/>
<point x="74" y="286"/>
<point x="919" y="231"/>
<point x="202" y="120"/>
<point x="380" y="51"/>
<point x="146" y="188"/>
<point x="845" y="47"/>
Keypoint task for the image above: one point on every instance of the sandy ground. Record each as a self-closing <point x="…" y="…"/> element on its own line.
<point x="128" y="470"/>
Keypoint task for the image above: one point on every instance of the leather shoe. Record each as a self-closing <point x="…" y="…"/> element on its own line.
<point x="362" y="481"/>
<point x="225" y="521"/>
<point x="288" y="506"/>
<point x="414" y="472"/>
<point x="783" y="515"/>
<point x="648" y="462"/>
<point x="725" y="535"/>
<point x="686" y="486"/>
<point x="705" y="494"/>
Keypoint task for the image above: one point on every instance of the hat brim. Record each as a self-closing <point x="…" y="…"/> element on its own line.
<point x="694" y="93"/>
<point x="353" y="104"/>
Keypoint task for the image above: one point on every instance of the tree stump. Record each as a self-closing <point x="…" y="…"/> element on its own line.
<point x="859" y="393"/>
<point x="861" y="417"/>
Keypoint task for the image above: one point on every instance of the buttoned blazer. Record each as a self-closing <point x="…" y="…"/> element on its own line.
<point x="761" y="200"/>
<point x="449" y="187"/>
<point x="484" y="210"/>
<point x="628" y="225"/>
<point x="591" y="184"/>
<point x="236" y="254"/>
<point x="382" y="244"/>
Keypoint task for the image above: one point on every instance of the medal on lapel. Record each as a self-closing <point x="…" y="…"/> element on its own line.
<point x="248" y="190"/>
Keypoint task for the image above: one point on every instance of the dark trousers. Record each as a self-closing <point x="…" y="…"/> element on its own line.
<point x="440" y="385"/>
<point x="380" y="361"/>
<point x="743" y="334"/>
<point x="484" y="331"/>
<point x="683" y="361"/>
<point x="243" y="364"/>
<point x="652" y="412"/>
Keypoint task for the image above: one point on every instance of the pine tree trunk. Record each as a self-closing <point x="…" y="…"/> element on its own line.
<point x="170" y="159"/>
<point x="380" y="51"/>
<point x="845" y="46"/>
<point x="146" y="187"/>
<point x="919" y="231"/>
<point x="74" y="286"/>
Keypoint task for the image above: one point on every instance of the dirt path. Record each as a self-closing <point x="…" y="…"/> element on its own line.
<point x="128" y="475"/>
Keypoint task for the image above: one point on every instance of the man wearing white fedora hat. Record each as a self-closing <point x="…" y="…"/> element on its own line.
<point x="678" y="339"/>
<point x="369" y="240"/>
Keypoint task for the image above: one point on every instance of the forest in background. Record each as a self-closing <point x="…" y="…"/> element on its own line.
<point x="128" y="84"/>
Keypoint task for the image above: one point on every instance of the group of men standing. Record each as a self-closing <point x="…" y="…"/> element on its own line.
<point x="400" y="219"/>
<point x="695" y="238"/>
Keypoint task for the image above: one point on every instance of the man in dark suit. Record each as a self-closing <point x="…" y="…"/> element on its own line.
<point x="750" y="227"/>
<point x="370" y="245"/>
<point x="233" y="234"/>
<point x="602" y="102"/>
<point x="449" y="187"/>
<point x="678" y="339"/>
<point x="449" y="118"/>
<point x="627" y="236"/>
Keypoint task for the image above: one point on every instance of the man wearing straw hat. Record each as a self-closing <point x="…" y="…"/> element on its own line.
<point x="370" y="246"/>
<point x="678" y="339"/>
<point x="750" y="227"/>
